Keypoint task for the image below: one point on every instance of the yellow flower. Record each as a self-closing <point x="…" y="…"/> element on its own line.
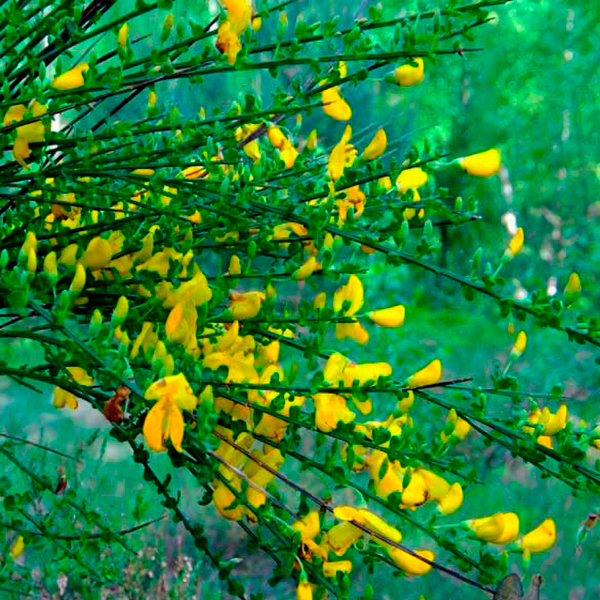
<point x="26" y="134"/>
<point x="260" y="476"/>
<point x="17" y="548"/>
<point x="388" y="317"/>
<point x="410" y="564"/>
<point x="330" y="410"/>
<point x="540" y="539"/>
<point x="256" y="23"/>
<point x="309" y="526"/>
<point x="97" y="255"/>
<point x="307" y="269"/>
<point x="334" y="105"/>
<point x="181" y="325"/>
<point x="340" y="537"/>
<point x="245" y="305"/>
<point x="50" y="265"/>
<point x="330" y="569"/>
<point x="355" y="331"/>
<point x="252" y="149"/>
<point x="516" y="244"/>
<point x="520" y="345"/>
<point x="452" y="500"/>
<point x="123" y="35"/>
<point x="238" y="13"/>
<point x="312" y="140"/>
<point x="484" y="164"/>
<point x="376" y="146"/>
<point x="304" y="591"/>
<point x="71" y="79"/>
<point x="573" y="285"/>
<point x="342" y="155"/>
<point x="320" y="301"/>
<point x="223" y="497"/>
<point x="164" y="420"/>
<point x="553" y="423"/>
<point x="78" y="282"/>
<point x="228" y="41"/>
<point x="146" y="340"/>
<point x="411" y="179"/>
<point x="428" y="375"/>
<point x="461" y="428"/>
<point x="352" y="292"/>
<point x="408" y="75"/>
<point x="500" y="528"/>
<point x="62" y="398"/>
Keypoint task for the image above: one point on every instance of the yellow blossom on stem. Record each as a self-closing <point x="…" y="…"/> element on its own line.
<point x="62" y="398"/>
<point x="540" y="539"/>
<point x="251" y="149"/>
<point x="411" y="179"/>
<point x="78" y="282"/>
<point x="97" y="255"/>
<point x="304" y="591"/>
<point x="71" y="79"/>
<point x="312" y="140"/>
<point x="452" y="500"/>
<point x="50" y="264"/>
<point x="165" y="420"/>
<point x="320" y="301"/>
<point x="123" y="36"/>
<point x="573" y="285"/>
<point x="340" y="537"/>
<point x="428" y="375"/>
<point x="500" y="528"/>
<point x="228" y="41"/>
<point x="239" y="13"/>
<point x="483" y="164"/>
<point x="516" y="244"/>
<point x="245" y="305"/>
<point x="410" y="74"/>
<point x="307" y="269"/>
<point x="334" y="105"/>
<point x="352" y="292"/>
<point x="520" y="345"/>
<point x="309" y="526"/>
<point x="461" y="428"/>
<point x="412" y="565"/>
<point x="388" y="317"/>
<point x="330" y="410"/>
<point x="343" y="155"/>
<point x="553" y="423"/>
<point x="331" y="568"/>
<point x="376" y="146"/>
<point x="17" y="548"/>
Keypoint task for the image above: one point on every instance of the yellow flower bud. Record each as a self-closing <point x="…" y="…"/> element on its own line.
<point x="410" y="564"/>
<point x="71" y="79"/>
<point x="152" y="99"/>
<point x="320" y="301"/>
<point x="167" y="27"/>
<point x="520" y="345"/>
<point x="32" y="261"/>
<point x="411" y="179"/>
<point x="388" y="317"/>
<point x="17" y="548"/>
<point x="516" y="244"/>
<point x="304" y="591"/>
<point x="429" y="375"/>
<point x="30" y="243"/>
<point x="50" y="266"/>
<point x="256" y="23"/>
<point x="122" y="308"/>
<point x="235" y="267"/>
<point x="540" y="539"/>
<point x="78" y="282"/>
<point x="123" y="35"/>
<point x="330" y="569"/>
<point x="483" y="164"/>
<point x="376" y="146"/>
<point x="408" y="75"/>
<point x="311" y="140"/>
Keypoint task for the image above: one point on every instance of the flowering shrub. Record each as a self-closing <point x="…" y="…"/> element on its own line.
<point x="152" y="261"/>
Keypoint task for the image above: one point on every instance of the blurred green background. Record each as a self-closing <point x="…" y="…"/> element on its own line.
<point x="531" y="91"/>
